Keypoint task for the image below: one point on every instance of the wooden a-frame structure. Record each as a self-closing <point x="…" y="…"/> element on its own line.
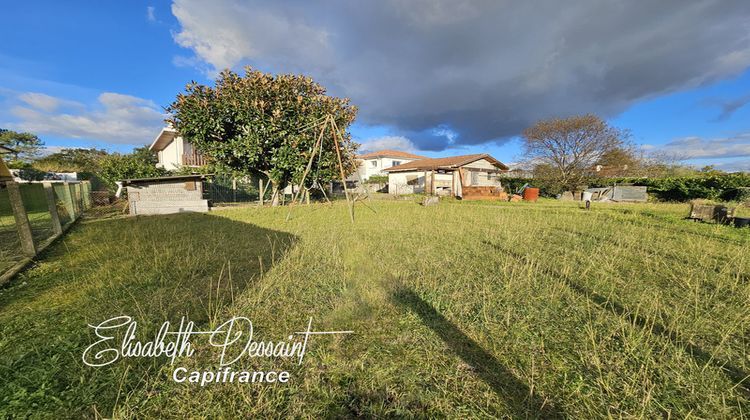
<point x="328" y="123"/>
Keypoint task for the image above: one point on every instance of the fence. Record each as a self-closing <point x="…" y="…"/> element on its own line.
<point x="33" y="215"/>
<point x="224" y="189"/>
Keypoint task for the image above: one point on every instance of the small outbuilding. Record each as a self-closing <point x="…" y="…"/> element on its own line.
<point x="620" y="193"/>
<point x="468" y="176"/>
<point x="166" y="195"/>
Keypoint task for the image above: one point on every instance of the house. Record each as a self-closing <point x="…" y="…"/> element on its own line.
<point x="175" y="152"/>
<point x="375" y="162"/>
<point x="467" y="176"/>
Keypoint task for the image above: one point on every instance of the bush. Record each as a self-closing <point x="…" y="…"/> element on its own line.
<point x="117" y="167"/>
<point x="712" y="186"/>
<point x="377" y="179"/>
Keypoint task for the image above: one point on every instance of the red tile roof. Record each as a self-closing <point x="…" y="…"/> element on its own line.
<point x="390" y="153"/>
<point x="450" y="162"/>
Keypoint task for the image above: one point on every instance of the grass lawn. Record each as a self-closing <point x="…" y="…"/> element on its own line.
<point x="464" y="309"/>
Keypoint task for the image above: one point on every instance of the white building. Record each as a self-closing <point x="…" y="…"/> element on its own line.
<point x="174" y="152"/>
<point x="375" y="162"/>
<point x="469" y="176"/>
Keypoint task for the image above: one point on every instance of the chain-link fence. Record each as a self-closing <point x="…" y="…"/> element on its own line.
<point x="32" y="215"/>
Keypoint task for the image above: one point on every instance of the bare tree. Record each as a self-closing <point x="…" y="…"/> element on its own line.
<point x="568" y="148"/>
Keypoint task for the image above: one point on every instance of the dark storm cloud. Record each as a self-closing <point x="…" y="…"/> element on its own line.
<point x="484" y="70"/>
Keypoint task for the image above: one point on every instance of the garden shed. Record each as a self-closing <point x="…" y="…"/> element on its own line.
<point x="166" y="195"/>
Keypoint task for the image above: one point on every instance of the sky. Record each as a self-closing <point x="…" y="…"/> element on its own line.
<point x="436" y="77"/>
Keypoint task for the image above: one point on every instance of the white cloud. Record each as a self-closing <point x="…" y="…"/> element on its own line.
<point x="742" y="165"/>
<point x="386" y="142"/>
<point x="115" y="118"/>
<point x="228" y="32"/>
<point x="700" y="148"/>
<point x="486" y="69"/>
<point x="45" y="102"/>
<point x="151" y="13"/>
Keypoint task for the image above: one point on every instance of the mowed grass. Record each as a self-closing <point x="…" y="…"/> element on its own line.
<point x="461" y="310"/>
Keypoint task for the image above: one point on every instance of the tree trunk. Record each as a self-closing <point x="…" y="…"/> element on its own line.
<point x="276" y="192"/>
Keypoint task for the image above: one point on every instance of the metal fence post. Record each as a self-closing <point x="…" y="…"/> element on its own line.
<point x="22" y="220"/>
<point x="52" y="206"/>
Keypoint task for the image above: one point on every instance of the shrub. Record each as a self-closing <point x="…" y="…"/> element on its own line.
<point x="711" y="186"/>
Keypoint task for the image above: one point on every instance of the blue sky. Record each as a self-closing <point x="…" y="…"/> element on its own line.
<point x="97" y="74"/>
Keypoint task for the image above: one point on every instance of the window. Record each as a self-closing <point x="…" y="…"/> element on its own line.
<point x="374" y="163"/>
<point x="395" y="162"/>
<point x="474" y="178"/>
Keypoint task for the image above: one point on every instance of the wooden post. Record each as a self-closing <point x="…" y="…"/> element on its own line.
<point x="52" y="206"/>
<point x="432" y="182"/>
<point x="234" y="190"/>
<point x="341" y="165"/>
<point x="317" y="148"/>
<point x="68" y="201"/>
<point x="70" y="196"/>
<point x="22" y="220"/>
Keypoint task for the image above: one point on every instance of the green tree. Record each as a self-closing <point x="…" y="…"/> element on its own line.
<point x="26" y="147"/>
<point x="261" y="124"/>
<point x="141" y="163"/>
<point x="71" y="160"/>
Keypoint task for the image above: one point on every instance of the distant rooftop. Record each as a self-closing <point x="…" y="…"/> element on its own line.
<point x="4" y="149"/>
<point x="450" y="162"/>
<point x="390" y="153"/>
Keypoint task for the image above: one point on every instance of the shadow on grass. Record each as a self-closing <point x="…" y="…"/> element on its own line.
<point x="154" y="269"/>
<point x="735" y="374"/>
<point x="502" y="381"/>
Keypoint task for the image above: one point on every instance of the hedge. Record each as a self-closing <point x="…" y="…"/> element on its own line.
<point x="720" y="187"/>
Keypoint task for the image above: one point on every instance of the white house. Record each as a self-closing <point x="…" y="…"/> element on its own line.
<point x="375" y="162"/>
<point x="467" y="176"/>
<point x="174" y="152"/>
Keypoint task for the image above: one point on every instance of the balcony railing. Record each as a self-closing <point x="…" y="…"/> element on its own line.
<point x="193" y="159"/>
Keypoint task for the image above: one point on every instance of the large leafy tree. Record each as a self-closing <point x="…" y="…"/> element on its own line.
<point x="263" y="124"/>
<point x="565" y="149"/>
<point x="26" y="147"/>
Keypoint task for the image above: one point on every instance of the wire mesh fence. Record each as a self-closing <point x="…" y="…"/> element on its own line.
<point x="225" y="189"/>
<point x="10" y="247"/>
<point x="34" y="200"/>
<point x="33" y="214"/>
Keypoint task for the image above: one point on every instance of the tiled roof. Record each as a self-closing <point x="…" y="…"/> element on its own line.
<point x="390" y="153"/>
<point x="450" y="162"/>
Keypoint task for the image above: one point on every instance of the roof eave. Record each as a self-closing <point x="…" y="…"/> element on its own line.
<point x="165" y="135"/>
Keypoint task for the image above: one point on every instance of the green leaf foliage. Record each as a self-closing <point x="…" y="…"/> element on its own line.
<point x="264" y="124"/>
<point x="141" y="163"/>
<point x="711" y="186"/>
